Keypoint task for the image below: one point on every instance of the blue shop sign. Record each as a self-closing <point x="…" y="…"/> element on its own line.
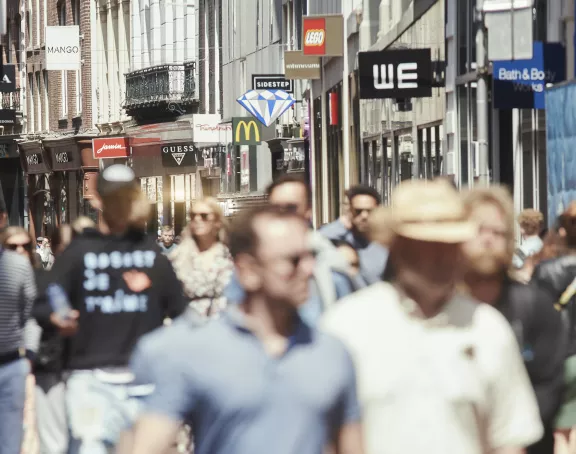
<point x="520" y="84"/>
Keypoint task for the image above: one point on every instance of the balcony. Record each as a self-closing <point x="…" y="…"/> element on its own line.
<point x="165" y="87"/>
<point x="11" y="100"/>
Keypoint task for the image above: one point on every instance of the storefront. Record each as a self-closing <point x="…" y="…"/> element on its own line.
<point x="402" y="125"/>
<point x="12" y="183"/>
<point x="36" y="166"/>
<point x="516" y="124"/>
<point x="70" y="158"/>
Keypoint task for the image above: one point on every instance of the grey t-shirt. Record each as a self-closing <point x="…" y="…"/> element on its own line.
<point x="240" y="400"/>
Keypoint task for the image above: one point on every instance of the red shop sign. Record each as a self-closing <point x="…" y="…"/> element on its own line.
<point x="314" y="36"/>
<point x="111" y="147"/>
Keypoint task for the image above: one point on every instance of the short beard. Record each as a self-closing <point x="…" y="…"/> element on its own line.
<point x="487" y="265"/>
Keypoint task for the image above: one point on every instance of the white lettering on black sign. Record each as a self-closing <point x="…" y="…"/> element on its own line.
<point x="405" y="72"/>
<point x="272" y="82"/>
<point x="177" y="148"/>
<point x="395" y="74"/>
<point x="32" y="159"/>
<point x="97" y="279"/>
<point x="62" y="157"/>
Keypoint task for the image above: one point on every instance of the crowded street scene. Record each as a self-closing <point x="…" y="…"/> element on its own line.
<point x="287" y="227"/>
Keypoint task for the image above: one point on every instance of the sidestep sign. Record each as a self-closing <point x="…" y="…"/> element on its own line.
<point x="272" y="81"/>
<point x="246" y="131"/>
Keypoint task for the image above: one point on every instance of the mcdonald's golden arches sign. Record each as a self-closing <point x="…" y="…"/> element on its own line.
<point x="246" y="131"/>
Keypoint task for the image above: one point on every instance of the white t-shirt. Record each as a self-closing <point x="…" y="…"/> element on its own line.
<point x="452" y="384"/>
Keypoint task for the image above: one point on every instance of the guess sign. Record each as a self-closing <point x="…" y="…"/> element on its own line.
<point x="111" y="147"/>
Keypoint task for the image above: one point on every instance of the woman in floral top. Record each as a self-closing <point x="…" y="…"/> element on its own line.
<point x="202" y="261"/>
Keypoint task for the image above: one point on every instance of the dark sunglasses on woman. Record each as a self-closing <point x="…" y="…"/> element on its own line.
<point x="14" y="247"/>
<point x="203" y="216"/>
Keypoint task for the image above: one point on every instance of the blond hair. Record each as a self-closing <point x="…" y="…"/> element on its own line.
<point x="216" y="208"/>
<point x="127" y="206"/>
<point x="82" y="223"/>
<point x="500" y="197"/>
<point x="531" y="221"/>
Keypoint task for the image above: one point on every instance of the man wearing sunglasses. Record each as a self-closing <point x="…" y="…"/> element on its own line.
<point x="373" y="256"/>
<point x="259" y="379"/>
<point x="331" y="279"/>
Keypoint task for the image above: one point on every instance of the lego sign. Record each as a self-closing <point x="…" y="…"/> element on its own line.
<point x="315" y="38"/>
<point x="323" y="36"/>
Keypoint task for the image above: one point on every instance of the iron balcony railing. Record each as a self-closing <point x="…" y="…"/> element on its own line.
<point x="11" y="100"/>
<point x="160" y="84"/>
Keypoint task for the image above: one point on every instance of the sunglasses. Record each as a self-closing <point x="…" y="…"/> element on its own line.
<point x="359" y="211"/>
<point x="14" y="247"/>
<point x="287" y="207"/>
<point x="203" y="216"/>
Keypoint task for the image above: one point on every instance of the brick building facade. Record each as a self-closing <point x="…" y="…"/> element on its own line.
<point x="57" y="100"/>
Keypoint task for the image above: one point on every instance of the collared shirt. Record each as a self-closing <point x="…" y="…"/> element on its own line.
<point x="451" y="384"/>
<point x="239" y="399"/>
<point x="530" y="246"/>
<point x="166" y="250"/>
<point x="373" y="256"/>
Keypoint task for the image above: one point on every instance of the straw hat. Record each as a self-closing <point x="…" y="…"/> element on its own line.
<point x="430" y="211"/>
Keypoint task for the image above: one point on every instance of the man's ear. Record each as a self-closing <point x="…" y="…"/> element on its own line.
<point x="247" y="272"/>
<point x="3" y="219"/>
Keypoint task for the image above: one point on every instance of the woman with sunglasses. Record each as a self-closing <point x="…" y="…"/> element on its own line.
<point x="48" y="412"/>
<point x="202" y="261"/>
<point x="18" y="240"/>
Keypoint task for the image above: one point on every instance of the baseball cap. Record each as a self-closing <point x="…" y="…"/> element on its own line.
<point x="114" y="178"/>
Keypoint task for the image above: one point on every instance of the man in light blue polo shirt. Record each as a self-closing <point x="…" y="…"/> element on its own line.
<point x="258" y="380"/>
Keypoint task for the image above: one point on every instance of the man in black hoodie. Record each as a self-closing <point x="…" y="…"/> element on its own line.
<point x="529" y="309"/>
<point x="122" y="287"/>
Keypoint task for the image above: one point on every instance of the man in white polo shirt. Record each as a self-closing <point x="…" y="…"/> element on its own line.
<point x="438" y="373"/>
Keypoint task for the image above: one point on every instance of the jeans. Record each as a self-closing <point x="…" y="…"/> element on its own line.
<point x="51" y="416"/>
<point x="12" y="397"/>
<point x="99" y="411"/>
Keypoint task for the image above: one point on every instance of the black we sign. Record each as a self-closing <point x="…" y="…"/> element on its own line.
<point x="396" y="74"/>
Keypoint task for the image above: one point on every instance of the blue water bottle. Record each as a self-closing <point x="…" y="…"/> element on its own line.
<point x="58" y="300"/>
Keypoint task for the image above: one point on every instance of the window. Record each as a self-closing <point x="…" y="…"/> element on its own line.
<point x="78" y="73"/>
<point x="61" y="13"/>
<point x="64" y="94"/>
<point x="257" y="24"/>
<point x="46" y="105"/>
<point x="38" y="12"/>
<point x="76" y="12"/>
<point x="243" y="75"/>
<point x="61" y="7"/>
<point x="9" y="47"/>
<point x="28" y="30"/>
<point x="31" y="98"/>
<point x="78" y="92"/>
<point x="39" y="102"/>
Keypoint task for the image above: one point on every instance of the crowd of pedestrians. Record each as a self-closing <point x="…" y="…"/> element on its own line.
<point x="419" y="327"/>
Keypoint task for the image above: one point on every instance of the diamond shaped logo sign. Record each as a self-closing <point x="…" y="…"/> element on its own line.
<point x="266" y="105"/>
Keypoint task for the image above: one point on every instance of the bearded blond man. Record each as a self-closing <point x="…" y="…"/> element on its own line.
<point x="530" y="311"/>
